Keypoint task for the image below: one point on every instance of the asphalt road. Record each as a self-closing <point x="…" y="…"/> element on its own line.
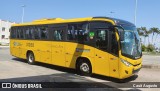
<point x="17" y="70"/>
<point x="150" y="59"/>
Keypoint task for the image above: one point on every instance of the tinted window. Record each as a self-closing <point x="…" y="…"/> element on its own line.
<point x="21" y="33"/>
<point x="37" y="33"/>
<point x="58" y="34"/>
<point x="29" y="34"/>
<point x="44" y="32"/>
<point x="78" y="32"/>
<point x="102" y="39"/>
<point x="18" y="33"/>
<point x="99" y="24"/>
<point x="72" y="32"/>
<point x="113" y="43"/>
<point x="13" y="32"/>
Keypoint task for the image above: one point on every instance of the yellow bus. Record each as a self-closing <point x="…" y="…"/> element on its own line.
<point x="99" y="45"/>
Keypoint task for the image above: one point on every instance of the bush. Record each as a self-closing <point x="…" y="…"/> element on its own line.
<point x="150" y="48"/>
<point x="143" y="48"/>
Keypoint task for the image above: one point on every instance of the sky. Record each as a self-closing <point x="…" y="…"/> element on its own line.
<point x="148" y="14"/>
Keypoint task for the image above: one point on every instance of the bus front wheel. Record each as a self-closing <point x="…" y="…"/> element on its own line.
<point x="84" y="68"/>
<point x="30" y="58"/>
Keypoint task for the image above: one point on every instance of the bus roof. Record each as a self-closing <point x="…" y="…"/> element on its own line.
<point x="53" y="21"/>
<point x="60" y="20"/>
<point x="119" y="22"/>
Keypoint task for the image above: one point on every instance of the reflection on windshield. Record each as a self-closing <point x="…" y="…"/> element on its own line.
<point x="131" y="45"/>
<point x="127" y="43"/>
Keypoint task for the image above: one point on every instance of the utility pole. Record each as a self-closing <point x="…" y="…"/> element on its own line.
<point x="135" y="16"/>
<point x="23" y="6"/>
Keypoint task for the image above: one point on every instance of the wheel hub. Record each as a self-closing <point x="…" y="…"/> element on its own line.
<point x="84" y="67"/>
<point x="31" y="58"/>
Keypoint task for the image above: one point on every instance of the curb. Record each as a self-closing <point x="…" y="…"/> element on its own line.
<point x="151" y="66"/>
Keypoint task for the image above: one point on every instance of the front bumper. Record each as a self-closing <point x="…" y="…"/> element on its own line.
<point x="126" y="72"/>
<point x="135" y="71"/>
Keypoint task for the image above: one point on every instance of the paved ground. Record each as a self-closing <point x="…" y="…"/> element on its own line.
<point x="13" y="69"/>
<point x="150" y="61"/>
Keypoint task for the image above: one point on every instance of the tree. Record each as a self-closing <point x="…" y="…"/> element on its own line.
<point x="158" y="32"/>
<point x="144" y="32"/>
<point x="150" y="48"/>
<point x="140" y="31"/>
<point x="154" y="31"/>
<point x="144" y="48"/>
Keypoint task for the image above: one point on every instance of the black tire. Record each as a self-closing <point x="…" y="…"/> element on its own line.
<point x="84" y="68"/>
<point x="30" y="58"/>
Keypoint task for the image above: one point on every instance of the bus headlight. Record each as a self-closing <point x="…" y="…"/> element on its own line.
<point x="125" y="62"/>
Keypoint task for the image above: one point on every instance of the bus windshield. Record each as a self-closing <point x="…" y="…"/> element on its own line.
<point x="131" y="45"/>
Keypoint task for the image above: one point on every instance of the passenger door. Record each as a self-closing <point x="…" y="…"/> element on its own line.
<point x="101" y="55"/>
<point x="113" y="54"/>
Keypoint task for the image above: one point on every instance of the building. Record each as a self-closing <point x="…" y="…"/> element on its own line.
<point x="4" y="31"/>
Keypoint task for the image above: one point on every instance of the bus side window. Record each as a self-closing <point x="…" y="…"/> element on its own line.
<point x="27" y="34"/>
<point x="72" y="32"/>
<point x="22" y="34"/>
<point x="37" y="33"/>
<point x="44" y="33"/>
<point x="102" y="39"/>
<point x="58" y="34"/>
<point x="78" y="32"/>
<point x="13" y="32"/>
<point x="18" y="33"/>
<point x="32" y="33"/>
<point x="83" y="31"/>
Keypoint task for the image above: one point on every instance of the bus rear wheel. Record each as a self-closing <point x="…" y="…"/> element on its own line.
<point x="30" y="58"/>
<point x="84" y="68"/>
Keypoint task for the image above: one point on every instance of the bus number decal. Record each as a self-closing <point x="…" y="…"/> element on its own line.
<point x="30" y="44"/>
